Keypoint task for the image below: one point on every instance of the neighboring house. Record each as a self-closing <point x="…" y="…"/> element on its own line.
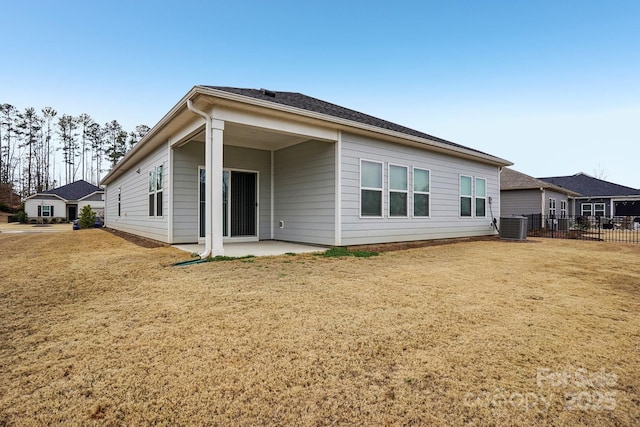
<point x="598" y="197"/>
<point x="228" y="164"/>
<point x="65" y="202"/>
<point x="522" y="194"/>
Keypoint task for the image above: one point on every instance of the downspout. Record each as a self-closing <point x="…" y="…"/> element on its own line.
<point x="208" y="237"/>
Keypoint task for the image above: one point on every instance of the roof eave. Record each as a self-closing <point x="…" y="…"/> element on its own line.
<point x="216" y="93"/>
<point x="352" y="124"/>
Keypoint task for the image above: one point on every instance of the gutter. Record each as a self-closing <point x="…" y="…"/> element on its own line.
<point x="208" y="237"/>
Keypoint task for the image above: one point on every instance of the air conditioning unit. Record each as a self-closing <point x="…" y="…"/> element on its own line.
<point x="513" y="228"/>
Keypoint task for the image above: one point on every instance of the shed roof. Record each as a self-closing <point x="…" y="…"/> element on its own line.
<point x="589" y="186"/>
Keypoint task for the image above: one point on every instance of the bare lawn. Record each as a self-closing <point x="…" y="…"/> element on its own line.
<point x="95" y="329"/>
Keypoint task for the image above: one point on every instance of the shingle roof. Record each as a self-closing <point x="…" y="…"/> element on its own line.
<point x="589" y="186"/>
<point x="74" y="191"/>
<point x="304" y="102"/>
<point x="513" y="180"/>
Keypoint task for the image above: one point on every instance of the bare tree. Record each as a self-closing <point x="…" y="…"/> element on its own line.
<point x="600" y="172"/>
<point x="84" y="121"/>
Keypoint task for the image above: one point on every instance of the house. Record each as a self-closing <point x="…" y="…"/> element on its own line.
<point x="521" y="194"/>
<point x="599" y="197"/>
<point x="230" y="164"/>
<point x="65" y="202"/>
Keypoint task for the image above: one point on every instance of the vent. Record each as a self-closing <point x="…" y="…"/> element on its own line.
<point x="513" y="228"/>
<point x="269" y="93"/>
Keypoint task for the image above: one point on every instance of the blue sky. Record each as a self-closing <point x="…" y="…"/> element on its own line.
<point x="553" y="86"/>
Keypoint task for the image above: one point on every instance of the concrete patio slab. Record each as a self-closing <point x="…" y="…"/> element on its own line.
<point x="262" y="248"/>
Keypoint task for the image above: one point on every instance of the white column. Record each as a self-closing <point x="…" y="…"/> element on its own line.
<point x="213" y="185"/>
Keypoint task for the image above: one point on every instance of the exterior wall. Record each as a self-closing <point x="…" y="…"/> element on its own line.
<point x="59" y="206"/>
<point x="134" y="190"/>
<point x="520" y="202"/>
<point x="559" y="197"/>
<point x="304" y="194"/>
<point x="187" y="159"/>
<point x="445" y="170"/>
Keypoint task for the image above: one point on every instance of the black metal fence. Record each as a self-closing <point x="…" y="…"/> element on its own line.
<point x="623" y="229"/>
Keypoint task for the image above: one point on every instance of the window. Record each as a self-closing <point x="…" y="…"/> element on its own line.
<point x="563" y="208"/>
<point x="552" y="208"/>
<point x="481" y="197"/>
<point x="45" y="210"/>
<point x="598" y="209"/>
<point x="398" y="190"/>
<point x="152" y="192"/>
<point x="420" y="192"/>
<point x="119" y="200"/>
<point x="156" y="184"/>
<point x="370" y="189"/>
<point x="465" y="195"/>
<point x="159" y="187"/>
<point x="587" y="209"/>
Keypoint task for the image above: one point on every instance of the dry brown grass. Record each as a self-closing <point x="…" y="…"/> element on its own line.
<point x="95" y="329"/>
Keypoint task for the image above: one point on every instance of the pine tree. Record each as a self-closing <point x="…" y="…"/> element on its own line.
<point x="29" y="124"/>
<point x="116" y="141"/>
<point x="84" y="121"/>
<point x="66" y="130"/>
<point x="48" y="114"/>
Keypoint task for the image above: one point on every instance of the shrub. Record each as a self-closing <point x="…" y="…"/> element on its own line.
<point x="87" y="218"/>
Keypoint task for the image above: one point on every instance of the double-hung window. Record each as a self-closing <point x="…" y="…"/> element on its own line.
<point x="159" y="187"/>
<point x="45" y="210"/>
<point x="598" y="209"/>
<point x="587" y="209"/>
<point x="465" y="195"/>
<point x="398" y="190"/>
<point x="563" y="208"/>
<point x="481" y="197"/>
<point x="552" y="207"/>
<point x="420" y="192"/>
<point x="156" y="184"/>
<point x="370" y="188"/>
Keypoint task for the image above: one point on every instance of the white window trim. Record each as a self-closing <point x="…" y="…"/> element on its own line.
<point x="48" y="211"/>
<point x="389" y="190"/>
<point x="475" y="197"/>
<point x="603" y="210"/>
<point x="414" y="192"/>
<point x="460" y="196"/>
<point x="155" y="192"/>
<point x="582" y="209"/>
<point x="563" y="208"/>
<point x="381" y="189"/>
<point x="553" y="206"/>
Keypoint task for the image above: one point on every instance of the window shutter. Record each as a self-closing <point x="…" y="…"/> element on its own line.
<point x="39" y="210"/>
<point x="51" y="211"/>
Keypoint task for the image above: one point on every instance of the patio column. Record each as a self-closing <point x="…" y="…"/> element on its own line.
<point x="213" y="188"/>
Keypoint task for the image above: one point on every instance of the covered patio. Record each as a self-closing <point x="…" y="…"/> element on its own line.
<point x="261" y="248"/>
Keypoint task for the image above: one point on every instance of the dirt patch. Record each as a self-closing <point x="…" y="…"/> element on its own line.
<point x="136" y="240"/>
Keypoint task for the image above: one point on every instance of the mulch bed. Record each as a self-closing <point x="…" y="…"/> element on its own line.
<point x="137" y="240"/>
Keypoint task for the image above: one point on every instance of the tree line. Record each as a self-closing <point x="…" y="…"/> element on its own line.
<point x="31" y="140"/>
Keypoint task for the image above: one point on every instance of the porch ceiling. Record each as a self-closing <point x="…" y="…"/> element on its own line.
<point x="255" y="137"/>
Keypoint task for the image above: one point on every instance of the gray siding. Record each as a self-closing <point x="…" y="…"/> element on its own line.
<point x="521" y="202"/>
<point x="304" y="178"/>
<point x="580" y="202"/>
<point x="134" y="216"/>
<point x="186" y="161"/>
<point x="444" y="222"/>
<point x="559" y="197"/>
